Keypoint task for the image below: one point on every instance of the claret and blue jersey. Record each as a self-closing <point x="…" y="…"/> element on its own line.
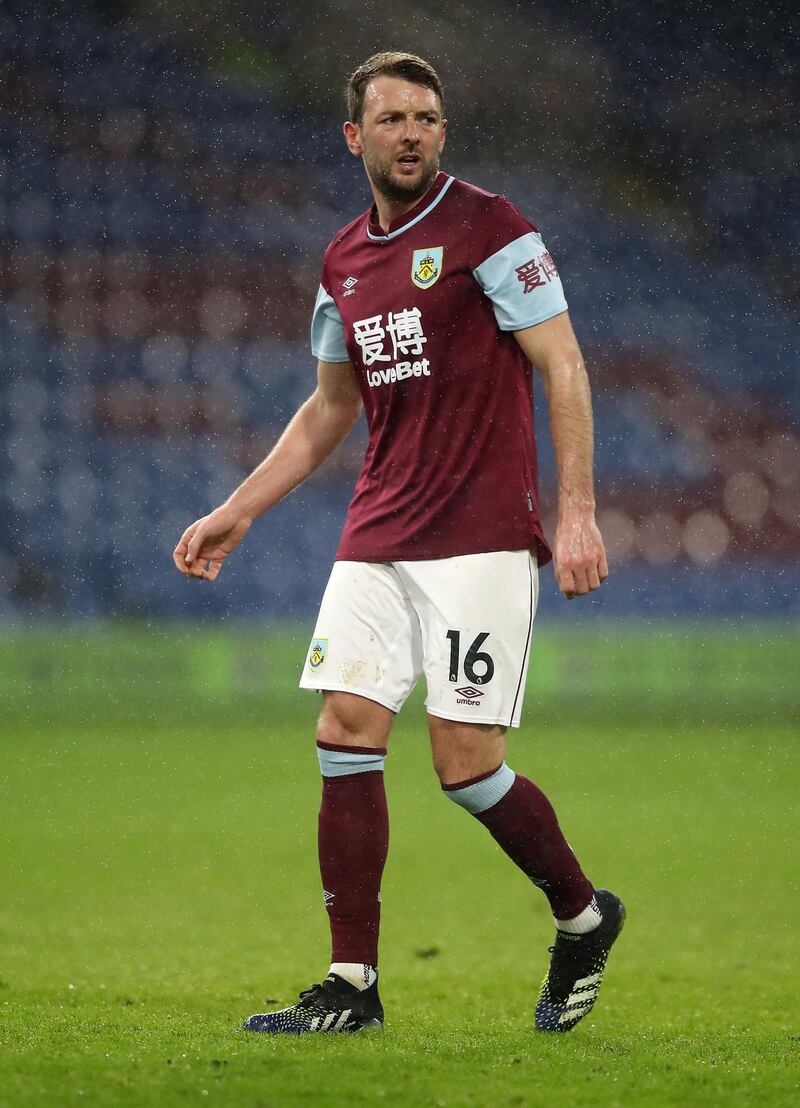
<point x="426" y="313"/>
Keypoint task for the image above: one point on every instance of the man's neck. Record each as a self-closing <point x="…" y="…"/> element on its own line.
<point x="390" y="210"/>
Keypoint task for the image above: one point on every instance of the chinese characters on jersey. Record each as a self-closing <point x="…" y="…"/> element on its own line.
<point x="405" y="330"/>
<point x="537" y="272"/>
<point x="406" y="337"/>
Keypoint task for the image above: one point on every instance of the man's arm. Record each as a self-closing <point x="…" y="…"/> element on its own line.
<point x="313" y="433"/>
<point x="579" y="555"/>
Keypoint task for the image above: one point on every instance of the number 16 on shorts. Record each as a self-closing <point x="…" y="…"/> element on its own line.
<point x="478" y="664"/>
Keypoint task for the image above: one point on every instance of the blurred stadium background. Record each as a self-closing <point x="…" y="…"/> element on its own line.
<point x="170" y="173"/>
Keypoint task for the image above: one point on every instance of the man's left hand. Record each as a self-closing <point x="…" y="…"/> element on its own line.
<point x="579" y="556"/>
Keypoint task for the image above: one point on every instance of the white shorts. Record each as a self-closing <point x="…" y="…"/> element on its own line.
<point x="464" y="622"/>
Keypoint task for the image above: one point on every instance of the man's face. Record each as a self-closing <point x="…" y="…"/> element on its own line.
<point x="400" y="137"/>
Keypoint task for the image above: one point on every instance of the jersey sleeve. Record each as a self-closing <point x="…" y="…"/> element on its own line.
<point x="522" y="282"/>
<point x="327" y="330"/>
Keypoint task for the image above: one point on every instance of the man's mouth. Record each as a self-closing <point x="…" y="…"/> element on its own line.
<point x="408" y="159"/>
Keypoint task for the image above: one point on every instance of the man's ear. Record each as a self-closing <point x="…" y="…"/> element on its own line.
<point x="352" y="137"/>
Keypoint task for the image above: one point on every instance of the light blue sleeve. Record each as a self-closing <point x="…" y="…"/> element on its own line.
<point x="327" y="330"/>
<point x="522" y="282"/>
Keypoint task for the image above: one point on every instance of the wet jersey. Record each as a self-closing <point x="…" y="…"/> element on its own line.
<point x="426" y="314"/>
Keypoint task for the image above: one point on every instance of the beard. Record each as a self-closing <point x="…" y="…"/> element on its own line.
<point x="398" y="189"/>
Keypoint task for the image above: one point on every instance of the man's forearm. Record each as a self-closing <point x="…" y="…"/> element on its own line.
<point x="578" y="552"/>
<point x="311" y="436"/>
<point x="570" y="411"/>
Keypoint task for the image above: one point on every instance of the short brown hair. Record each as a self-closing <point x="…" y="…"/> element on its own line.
<point x="389" y="63"/>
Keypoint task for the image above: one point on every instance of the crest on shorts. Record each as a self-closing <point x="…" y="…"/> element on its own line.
<point x="318" y="653"/>
<point x="426" y="266"/>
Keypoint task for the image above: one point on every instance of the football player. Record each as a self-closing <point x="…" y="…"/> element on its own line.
<point x="433" y="307"/>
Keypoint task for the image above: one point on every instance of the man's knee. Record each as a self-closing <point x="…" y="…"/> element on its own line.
<point x="464" y="751"/>
<point x="350" y="720"/>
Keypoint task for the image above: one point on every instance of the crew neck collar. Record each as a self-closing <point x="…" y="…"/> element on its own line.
<point x="435" y="193"/>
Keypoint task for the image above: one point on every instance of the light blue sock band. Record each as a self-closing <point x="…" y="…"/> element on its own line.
<point x="340" y="763"/>
<point x="483" y="794"/>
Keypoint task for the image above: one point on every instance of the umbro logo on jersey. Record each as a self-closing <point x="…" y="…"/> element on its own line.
<point x="349" y="286"/>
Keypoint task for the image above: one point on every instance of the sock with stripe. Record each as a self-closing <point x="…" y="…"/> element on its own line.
<point x="353" y="840"/>
<point x="522" y="822"/>
<point x="587" y="920"/>
<point x="357" y="973"/>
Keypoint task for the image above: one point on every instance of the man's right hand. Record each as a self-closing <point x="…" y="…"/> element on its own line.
<point x="206" y="544"/>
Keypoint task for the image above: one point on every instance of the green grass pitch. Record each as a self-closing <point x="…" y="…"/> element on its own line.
<point x="159" y="884"/>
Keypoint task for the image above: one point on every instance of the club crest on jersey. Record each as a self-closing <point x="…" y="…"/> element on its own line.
<point x="318" y="653"/>
<point x="426" y="266"/>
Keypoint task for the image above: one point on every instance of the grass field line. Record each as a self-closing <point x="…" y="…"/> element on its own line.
<point x="160" y="884"/>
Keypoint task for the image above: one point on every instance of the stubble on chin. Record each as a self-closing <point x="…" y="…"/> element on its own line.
<point x="398" y="190"/>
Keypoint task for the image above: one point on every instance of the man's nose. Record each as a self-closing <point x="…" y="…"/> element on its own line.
<point x="411" y="130"/>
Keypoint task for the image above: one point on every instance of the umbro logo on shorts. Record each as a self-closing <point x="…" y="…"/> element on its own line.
<point x="468" y="695"/>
